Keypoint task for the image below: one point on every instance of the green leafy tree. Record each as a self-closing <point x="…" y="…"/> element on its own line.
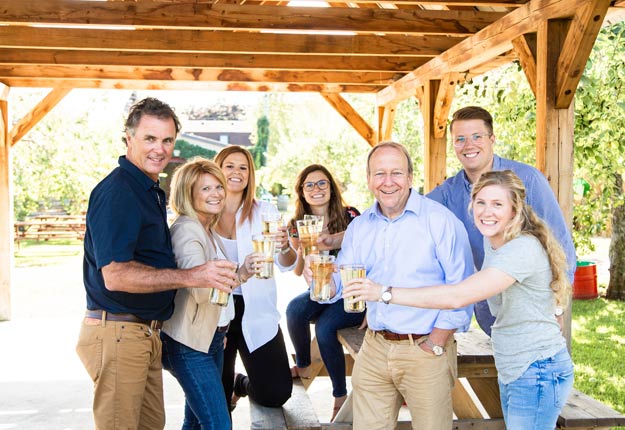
<point x="188" y="150"/>
<point x="259" y="150"/>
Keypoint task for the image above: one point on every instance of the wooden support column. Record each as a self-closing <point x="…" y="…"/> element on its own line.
<point x="346" y="110"/>
<point x="435" y="101"/>
<point x="386" y="117"/>
<point x="6" y="215"/>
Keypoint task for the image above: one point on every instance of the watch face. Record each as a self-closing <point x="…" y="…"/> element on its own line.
<point x="438" y="350"/>
<point x="386" y="297"/>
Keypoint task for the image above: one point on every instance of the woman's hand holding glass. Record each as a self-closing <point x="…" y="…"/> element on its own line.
<point x="362" y="290"/>
<point x="251" y="266"/>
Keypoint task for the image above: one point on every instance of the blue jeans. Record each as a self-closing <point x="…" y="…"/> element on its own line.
<point x="328" y="318"/>
<point x="534" y="401"/>
<point x="199" y="375"/>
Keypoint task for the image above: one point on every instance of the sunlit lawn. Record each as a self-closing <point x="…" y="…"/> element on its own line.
<point x="598" y="346"/>
<point x="43" y="253"/>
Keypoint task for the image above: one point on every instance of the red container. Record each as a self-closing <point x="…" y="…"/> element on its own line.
<point x="585" y="282"/>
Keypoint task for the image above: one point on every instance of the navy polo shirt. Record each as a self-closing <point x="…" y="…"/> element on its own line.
<point x="127" y="221"/>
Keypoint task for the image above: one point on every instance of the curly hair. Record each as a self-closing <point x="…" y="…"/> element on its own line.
<point x="336" y="206"/>
<point x="525" y="221"/>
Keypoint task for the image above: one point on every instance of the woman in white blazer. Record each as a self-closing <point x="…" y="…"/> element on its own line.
<point x="193" y="339"/>
<point x="254" y="332"/>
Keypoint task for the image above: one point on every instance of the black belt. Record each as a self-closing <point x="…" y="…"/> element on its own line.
<point x="389" y="335"/>
<point x="97" y="314"/>
<point x="223" y="329"/>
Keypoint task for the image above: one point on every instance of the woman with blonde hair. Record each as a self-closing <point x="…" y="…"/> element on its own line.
<point x="255" y="332"/>
<point x="193" y="339"/>
<point x="524" y="279"/>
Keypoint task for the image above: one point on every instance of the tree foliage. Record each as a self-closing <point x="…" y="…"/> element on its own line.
<point x="188" y="151"/>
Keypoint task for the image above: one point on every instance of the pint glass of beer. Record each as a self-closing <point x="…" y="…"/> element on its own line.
<point x="266" y="245"/>
<point x="308" y="231"/>
<point x="322" y="267"/>
<point x="218" y="297"/>
<point x="349" y="272"/>
<point x="271" y="222"/>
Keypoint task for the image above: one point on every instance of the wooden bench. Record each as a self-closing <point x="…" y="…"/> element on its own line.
<point x="296" y="414"/>
<point x="476" y="392"/>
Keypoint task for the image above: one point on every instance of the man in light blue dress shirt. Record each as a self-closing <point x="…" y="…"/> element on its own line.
<point x="405" y="240"/>
<point x="472" y="135"/>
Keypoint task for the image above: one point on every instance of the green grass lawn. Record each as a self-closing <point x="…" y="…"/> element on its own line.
<point x="46" y="253"/>
<point x="598" y="347"/>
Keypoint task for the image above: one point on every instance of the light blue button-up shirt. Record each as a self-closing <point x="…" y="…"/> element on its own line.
<point x="425" y="245"/>
<point x="455" y="194"/>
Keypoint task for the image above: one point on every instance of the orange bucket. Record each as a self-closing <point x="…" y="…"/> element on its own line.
<point x="585" y="282"/>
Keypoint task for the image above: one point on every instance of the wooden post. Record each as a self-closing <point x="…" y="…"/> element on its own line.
<point x="554" y="127"/>
<point x="6" y="215"/>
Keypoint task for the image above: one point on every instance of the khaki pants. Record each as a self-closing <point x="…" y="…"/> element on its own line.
<point x="124" y="361"/>
<point x="387" y="371"/>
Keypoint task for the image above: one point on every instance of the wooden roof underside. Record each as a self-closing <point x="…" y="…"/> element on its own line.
<point x="363" y="46"/>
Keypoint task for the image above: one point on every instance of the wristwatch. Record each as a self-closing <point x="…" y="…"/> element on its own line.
<point x="386" y="295"/>
<point x="559" y="311"/>
<point x="436" y="349"/>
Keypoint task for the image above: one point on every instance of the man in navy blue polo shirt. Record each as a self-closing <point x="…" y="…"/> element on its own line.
<point x="130" y="276"/>
<point x="473" y="138"/>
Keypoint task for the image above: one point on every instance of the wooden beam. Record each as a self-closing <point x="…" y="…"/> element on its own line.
<point x="207" y="16"/>
<point x="6" y="211"/>
<point x="31" y="119"/>
<point x="488" y="43"/>
<point x="525" y="48"/>
<point x="120" y="84"/>
<point x="554" y="126"/>
<point x="196" y="74"/>
<point x="360" y="63"/>
<point x="435" y="149"/>
<point x="442" y="104"/>
<point x="209" y="42"/>
<point x="579" y="42"/>
<point x="386" y="118"/>
<point x="351" y="116"/>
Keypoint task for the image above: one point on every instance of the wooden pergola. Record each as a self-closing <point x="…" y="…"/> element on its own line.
<point x="395" y="49"/>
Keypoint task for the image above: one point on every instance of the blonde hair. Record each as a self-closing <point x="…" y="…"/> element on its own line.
<point x="184" y="180"/>
<point x="525" y="221"/>
<point x="248" y="194"/>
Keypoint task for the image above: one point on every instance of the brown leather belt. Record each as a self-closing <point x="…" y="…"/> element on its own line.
<point x="97" y="314"/>
<point x="389" y="335"/>
<point x="223" y="329"/>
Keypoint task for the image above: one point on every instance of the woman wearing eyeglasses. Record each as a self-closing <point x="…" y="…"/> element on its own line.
<point x="318" y="194"/>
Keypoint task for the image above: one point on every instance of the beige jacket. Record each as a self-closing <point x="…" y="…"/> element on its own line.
<point x="195" y="319"/>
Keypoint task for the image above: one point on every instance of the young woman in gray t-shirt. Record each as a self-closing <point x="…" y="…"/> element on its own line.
<point x="524" y="279"/>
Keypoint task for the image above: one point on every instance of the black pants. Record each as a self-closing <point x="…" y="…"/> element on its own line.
<point x="270" y="383"/>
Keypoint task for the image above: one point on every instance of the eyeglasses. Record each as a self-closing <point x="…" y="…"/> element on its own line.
<point x="475" y="138"/>
<point x="310" y="186"/>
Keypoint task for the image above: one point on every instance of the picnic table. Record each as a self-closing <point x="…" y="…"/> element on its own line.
<point x="475" y="395"/>
<point x="45" y="227"/>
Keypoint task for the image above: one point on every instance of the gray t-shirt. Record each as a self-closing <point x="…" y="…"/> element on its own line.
<point x="525" y="328"/>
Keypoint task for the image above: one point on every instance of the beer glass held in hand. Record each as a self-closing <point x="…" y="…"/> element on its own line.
<point x="322" y="267"/>
<point x="308" y="231"/>
<point x="349" y="272"/>
<point x="271" y="222"/>
<point x="266" y="245"/>
<point x="219" y="297"/>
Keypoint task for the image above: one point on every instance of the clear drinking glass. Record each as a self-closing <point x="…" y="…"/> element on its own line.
<point x="271" y="222"/>
<point x="322" y="267"/>
<point x="266" y="245"/>
<point x="308" y="231"/>
<point x="349" y="272"/>
<point x="218" y="297"/>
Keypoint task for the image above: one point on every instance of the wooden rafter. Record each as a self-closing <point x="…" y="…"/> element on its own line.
<point x="209" y="42"/>
<point x="207" y="16"/>
<point x="32" y="118"/>
<point x="346" y="110"/>
<point x="442" y="104"/>
<point x="385" y="116"/>
<point x="361" y="63"/>
<point x="488" y="43"/>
